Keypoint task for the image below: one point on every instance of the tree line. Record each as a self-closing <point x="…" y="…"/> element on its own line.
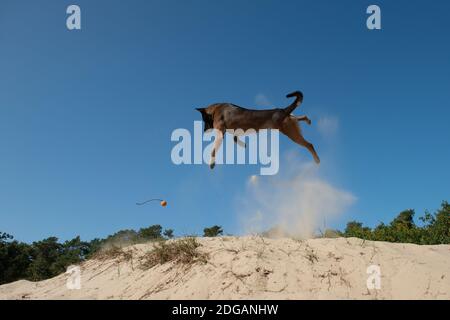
<point x="435" y="228"/>
<point x="49" y="257"/>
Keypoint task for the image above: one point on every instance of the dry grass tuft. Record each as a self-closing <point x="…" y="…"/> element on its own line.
<point x="182" y="251"/>
<point x="113" y="252"/>
<point x="311" y="255"/>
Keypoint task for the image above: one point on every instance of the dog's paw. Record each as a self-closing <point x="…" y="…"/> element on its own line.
<point x="212" y="165"/>
<point x="308" y="121"/>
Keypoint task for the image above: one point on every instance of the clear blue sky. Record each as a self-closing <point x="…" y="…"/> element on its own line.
<point x="86" y="116"/>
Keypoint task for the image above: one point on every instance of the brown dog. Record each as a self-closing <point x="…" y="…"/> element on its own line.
<point x="223" y="116"/>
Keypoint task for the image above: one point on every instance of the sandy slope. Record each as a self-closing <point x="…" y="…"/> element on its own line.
<point x="261" y="268"/>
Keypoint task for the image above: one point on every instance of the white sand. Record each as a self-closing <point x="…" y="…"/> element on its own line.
<point x="261" y="268"/>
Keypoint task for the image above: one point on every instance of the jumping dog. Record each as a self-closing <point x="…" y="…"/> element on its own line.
<point x="223" y="116"/>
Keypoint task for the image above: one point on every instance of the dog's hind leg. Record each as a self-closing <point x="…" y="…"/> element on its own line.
<point x="302" y="118"/>
<point x="292" y="130"/>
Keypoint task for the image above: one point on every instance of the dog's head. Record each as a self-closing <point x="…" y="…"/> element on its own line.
<point x="207" y="118"/>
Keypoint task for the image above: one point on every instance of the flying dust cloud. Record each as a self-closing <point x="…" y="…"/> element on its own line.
<point x="297" y="205"/>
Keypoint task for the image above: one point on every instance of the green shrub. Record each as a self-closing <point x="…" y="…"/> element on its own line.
<point x="213" y="231"/>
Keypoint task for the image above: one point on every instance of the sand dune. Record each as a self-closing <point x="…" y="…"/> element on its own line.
<point x="260" y="268"/>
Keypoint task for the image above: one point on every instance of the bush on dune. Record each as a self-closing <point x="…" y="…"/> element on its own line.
<point x="213" y="231"/>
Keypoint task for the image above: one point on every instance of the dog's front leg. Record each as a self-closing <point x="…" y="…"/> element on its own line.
<point x="217" y="144"/>
<point x="239" y="142"/>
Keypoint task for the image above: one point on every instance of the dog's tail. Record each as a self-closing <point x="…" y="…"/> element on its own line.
<point x="298" y="100"/>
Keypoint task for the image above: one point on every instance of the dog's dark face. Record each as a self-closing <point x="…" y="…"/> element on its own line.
<point x="207" y="118"/>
